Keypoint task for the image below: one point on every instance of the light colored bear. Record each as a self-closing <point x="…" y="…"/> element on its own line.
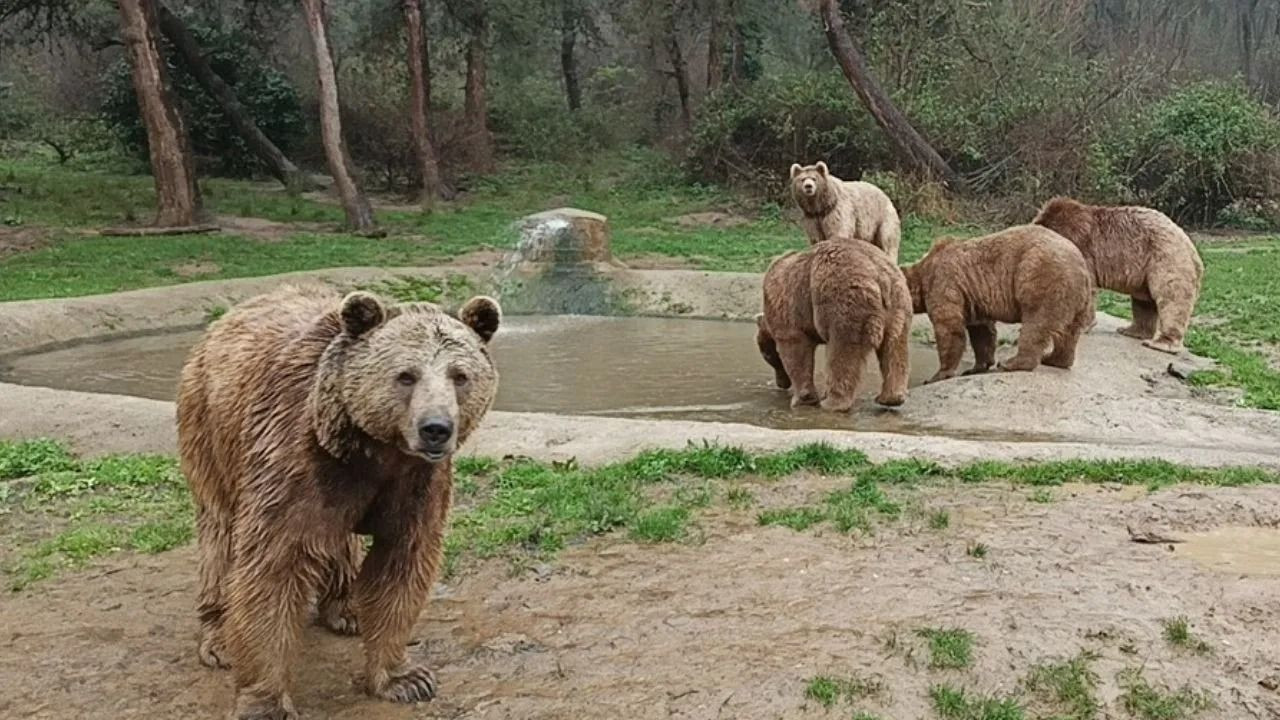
<point x="854" y="210"/>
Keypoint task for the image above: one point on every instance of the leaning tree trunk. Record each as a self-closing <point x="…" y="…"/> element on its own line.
<point x="568" y="60"/>
<point x="715" y="46"/>
<point x="280" y="167"/>
<point x="420" y="104"/>
<point x="177" y="195"/>
<point x="475" y="98"/>
<point x="359" y="213"/>
<point x="910" y="147"/>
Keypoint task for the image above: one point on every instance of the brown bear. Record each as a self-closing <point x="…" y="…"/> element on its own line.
<point x="850" y="297"/>
<point x="852" y="210"/>
<point x="1026" y="274"/>
<point x="1139" y="252"/>
<point x="304" y="419"/>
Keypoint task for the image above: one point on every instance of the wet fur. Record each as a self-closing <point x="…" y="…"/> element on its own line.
<point x="1139" y="252"/>
<point x="290" y="449"/>
<point x="1026" y="274"/>
<point x="848" y="296"/>
<point x="849" y="210"/>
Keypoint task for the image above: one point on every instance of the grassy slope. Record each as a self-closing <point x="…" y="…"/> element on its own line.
<point x="1239" y="311"/>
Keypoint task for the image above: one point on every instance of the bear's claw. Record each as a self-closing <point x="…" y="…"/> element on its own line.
<point x="413" y="684"/>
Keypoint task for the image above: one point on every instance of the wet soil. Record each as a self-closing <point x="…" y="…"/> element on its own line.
<point x="730" y="626"/>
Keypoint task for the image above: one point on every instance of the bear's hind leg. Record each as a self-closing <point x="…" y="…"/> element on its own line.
<point x="1144" y="320"/>
<point x="948" y="334"/>
<point x="333" y="610"/>
<point x="845" y="361"/>
<point x="895" y="364"/>
<point x="1033" y="342"/>
<point x="1175" y="298"/>
<point x="982" y="336"/>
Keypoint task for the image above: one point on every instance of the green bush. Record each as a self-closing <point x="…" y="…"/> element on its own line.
<point x="530" y="117"/>
<point x="1194" y="153"/>
<point x="266" y="93"/>
<point x="752" y="136"/>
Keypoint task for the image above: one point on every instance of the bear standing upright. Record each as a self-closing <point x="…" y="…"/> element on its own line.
<point x="847" y="210"/>
<point x="1025" y="274"/>
<point x="304" y="418"/>
<point x="849" y="296"/>
<point x="1139" y="252"/>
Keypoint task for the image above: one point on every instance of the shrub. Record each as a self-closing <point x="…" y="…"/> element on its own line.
<point x="1194" y="153"/>
<point x="264" y="92"/>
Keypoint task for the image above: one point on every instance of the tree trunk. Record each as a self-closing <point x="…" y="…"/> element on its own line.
<point x="420" y="104"/>
<point x="912" y="149"/>
<point x="568" y="61"/>
<point x="738" y="47"/>
<point x="475" y="101"/>
<point x="679" y="68"/>
<point x="715" y="47"/>
<point x="359" y="213"/>
<point x="177" y="195"/>
<point x="275" y="161"/>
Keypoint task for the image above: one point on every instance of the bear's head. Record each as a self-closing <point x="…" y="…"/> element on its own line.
<point x="769" y="351"/>
<point x="1069" y="218"/>
<point x="809" y="184"/>
<point x="411" y="376"/>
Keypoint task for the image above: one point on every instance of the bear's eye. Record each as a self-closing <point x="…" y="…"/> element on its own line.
<point x="460" y="379"/>
<point x="406" y="378"/>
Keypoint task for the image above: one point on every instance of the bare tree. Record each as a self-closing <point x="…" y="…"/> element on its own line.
<point x="679" y="68"/>
<point x="354" y="203"/>
<point x="912" y="149"/>
<point x="715" y="43"/>
<point x="177" y="194"/>
<point x="420" y="103"/>
<point x="473" y="15"/>
<point x="280" y="167"/>
<point x="569" y="19"/>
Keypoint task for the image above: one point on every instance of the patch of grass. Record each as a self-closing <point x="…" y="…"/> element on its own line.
<point x="32" y="457"/>
<point x="1065" y="690"/>
<point x="939" y="520"/>
<point x="1041" y="495"/>
<point x="801" y="518"/>
<point x="820" y="458"/>
<point x="952" y="703"/>
<point x="1177" y="632"/>
<point x="739" y="498"/>
<point x="977" y="550"/>
<point x="214" y="313"/>
<point x="829" y="690"/>
<point x="1146" y="702"/>
<point x="665" y="524"/>
<point x="949" y="649"/>
<point x="408" y="289"/>
<point x="898" y="472"/>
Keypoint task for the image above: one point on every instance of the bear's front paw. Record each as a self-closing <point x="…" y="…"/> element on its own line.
<point x="1135" y="332"/>
<point x="889" y="399"/>
<point x="832" y="403"/>
<point x="1164" y="346"/>
<point x="211" y="651"/>
<point x="940" y="376"/>
<point x="977" y="370"/>
<point x="413" y="683"/>
<point x="807" y="397"/>
<point x="265" y="709"/>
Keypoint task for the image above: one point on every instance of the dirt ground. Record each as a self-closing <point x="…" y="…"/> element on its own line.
<point x="729" y="627"/>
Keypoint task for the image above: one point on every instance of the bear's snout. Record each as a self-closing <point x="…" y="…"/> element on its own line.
<point x="809" y="186"/>
<point x="435" y="435"/>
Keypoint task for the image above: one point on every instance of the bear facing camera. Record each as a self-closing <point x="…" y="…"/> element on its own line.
<point x="304" y="420"/>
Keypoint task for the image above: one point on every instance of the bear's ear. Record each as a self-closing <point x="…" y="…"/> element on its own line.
<point x="760" y="320"/>
<point x="822" y="168"/>
<point x="795" y="170"/>
<point x="362" y="312"/>
<point x="482" y="314"/>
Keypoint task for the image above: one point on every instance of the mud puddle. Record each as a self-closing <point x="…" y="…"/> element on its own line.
<point x="615" y="366"/>
<point x="1242" y="550"/>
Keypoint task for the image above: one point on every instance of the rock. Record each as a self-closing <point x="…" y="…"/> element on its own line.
<point x="564" y="235"/>
<point x="1180" y="370"/>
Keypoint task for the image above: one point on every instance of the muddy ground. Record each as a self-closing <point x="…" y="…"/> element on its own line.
<point x="731" y="626"/>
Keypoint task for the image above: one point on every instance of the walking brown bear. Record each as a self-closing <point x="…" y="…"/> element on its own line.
<point x="305" y="418"/>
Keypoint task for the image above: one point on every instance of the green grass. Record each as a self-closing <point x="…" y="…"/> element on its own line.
<point x="952" y="703"/>
<point x="33" y="457"/>
<point x="949" y="648"/>
<point x="939" y="520"/>
<point x="794" y="518"/>
<point x="1065" y="690"/>
<point x="977" y="550"/>
<point x="1177" y="632"/>
<point x="830" y="690"/>
<point x="1040" y="495"/>
<point x="1146" y="702"/>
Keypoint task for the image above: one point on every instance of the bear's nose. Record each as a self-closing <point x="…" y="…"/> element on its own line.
<point x="436" y="431"/>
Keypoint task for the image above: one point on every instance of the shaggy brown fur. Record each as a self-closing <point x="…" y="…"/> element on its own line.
<point x="304" y="418"/>
<point x="1139" y="252"/>
<point x="835" y="208"/>
<point x="1025" y="274"/>
<point x="848" y="296"/>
